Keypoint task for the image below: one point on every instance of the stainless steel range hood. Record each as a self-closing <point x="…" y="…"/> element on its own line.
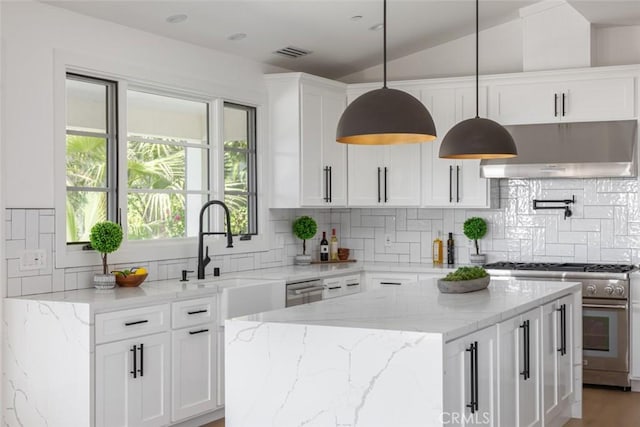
<point x="569" y="150"/>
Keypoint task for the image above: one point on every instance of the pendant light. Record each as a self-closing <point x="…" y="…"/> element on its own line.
<point x="478" y="138"/>
<point x="385" y="116"/>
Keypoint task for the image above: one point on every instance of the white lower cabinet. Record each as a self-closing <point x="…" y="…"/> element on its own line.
<point x="557" y="357"/>
<point x="132" y="382"/>
<point x="193" y="371"/>
<point x="519" y="370"/>
<point x="470" y="386"/>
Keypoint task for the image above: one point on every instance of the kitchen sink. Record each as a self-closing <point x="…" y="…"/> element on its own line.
<point x="239" y="297"/>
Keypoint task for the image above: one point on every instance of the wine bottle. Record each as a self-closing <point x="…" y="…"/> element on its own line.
<point x="324" y="247"/>
<point x="333" y="246"/>
<point x="450" y="250"/>
<point x="437" y="250"/>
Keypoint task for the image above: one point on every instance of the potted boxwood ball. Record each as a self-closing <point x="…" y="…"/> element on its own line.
<point x="475" y="228"/>
<point x="105" y="237"/>
<point x="304" y="228"/>
<point x="464" y="279"/>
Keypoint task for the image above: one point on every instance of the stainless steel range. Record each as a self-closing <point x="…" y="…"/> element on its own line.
<point x="605" y="313"/>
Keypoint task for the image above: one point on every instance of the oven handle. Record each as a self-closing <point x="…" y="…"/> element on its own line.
<point x="307" y="290"/>
<point x="618" y="306"/>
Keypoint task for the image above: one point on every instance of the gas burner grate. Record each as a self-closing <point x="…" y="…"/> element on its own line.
<point x="566" y="266"/>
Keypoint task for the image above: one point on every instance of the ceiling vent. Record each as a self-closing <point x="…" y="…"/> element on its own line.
<point x="292" y="52"/>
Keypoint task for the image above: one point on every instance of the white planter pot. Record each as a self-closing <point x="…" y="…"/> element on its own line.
<point x="303" y="259"/>
<point x="104" y="281"/>
<point x="479" y="259"/>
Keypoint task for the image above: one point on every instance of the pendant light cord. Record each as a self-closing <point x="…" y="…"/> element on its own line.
<point x="384" y="42"/>
<point x="477" y="67"/>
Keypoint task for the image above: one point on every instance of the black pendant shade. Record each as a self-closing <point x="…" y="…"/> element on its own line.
<point x="477" y="138"/>
<point x="385" y="117"/>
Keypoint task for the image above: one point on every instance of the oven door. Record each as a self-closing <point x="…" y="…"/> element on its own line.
<point x="605" y="328"/>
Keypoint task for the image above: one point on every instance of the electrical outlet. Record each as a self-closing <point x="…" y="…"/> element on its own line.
<point x="387" y="240"/>
<point x="32" y="259"/>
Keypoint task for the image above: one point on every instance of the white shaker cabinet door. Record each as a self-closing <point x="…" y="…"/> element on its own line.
<point x="193" y="371"/>
<point x="401" y="178"/>
<point x="132" y="382"/>
<point x="366" y="170"/>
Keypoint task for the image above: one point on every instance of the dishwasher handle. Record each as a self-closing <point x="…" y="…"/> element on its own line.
<point x="307" y="290"/>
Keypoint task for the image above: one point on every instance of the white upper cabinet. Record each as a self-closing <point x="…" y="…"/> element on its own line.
<point x="452" y="183"/>
<point x="309" y="167"/>
<point x="567" y="100"/>
<point x="386" y="175"/>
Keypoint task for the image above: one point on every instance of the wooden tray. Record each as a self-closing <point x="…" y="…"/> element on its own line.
<point x="333" y="261"/>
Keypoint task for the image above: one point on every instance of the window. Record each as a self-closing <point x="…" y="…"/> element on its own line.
<point x="168" y="165"/>
<point x="155" y="179"/>
<point x="240" y="169"/>
<point x="91" y="153"/>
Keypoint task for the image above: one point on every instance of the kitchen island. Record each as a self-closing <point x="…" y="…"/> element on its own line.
<point x="508" y="355"/>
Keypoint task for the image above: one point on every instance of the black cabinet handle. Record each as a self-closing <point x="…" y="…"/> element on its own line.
<point x="353" y="284"/>
<point x="137" y="322"/>
<point x="134" y="350"/>
<point x="555" y="105"/>
<point x="450" y="184"/>
<point x="564" y="96"/>
<point x="141" y="370"/>
<point x="201" y="331"/>
<point x="326" y="184"/>
<point x="379" y="199"/>
<point x="563" y="329"/>
<point x="190" y="313"/>
<point x="458" y="184"/>
<point x="390" y="283"/>
<point x="526" y="373"/>
<point x="386" y="199"/>
<point x="330" y="185"/>
<point x="473" y="376"/>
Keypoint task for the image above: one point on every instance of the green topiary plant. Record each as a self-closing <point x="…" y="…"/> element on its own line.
<point x="105" y="238"/>
<point x="466" y="273"/>
<point x="475" y="228"/>
<point x="304" y="228"/>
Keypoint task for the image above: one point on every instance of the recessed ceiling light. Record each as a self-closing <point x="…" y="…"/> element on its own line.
<point x="356" y="17"/>
<point x="237" y="36"/>
<point x="176" y="19"/>
<point x="377" y="27"/>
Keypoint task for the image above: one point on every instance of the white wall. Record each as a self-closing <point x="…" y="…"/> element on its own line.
<point x="34" y="33"/>
<point x="501" y="51"/>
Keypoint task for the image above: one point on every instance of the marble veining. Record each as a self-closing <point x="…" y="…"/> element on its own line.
<point x="421" y="307"/>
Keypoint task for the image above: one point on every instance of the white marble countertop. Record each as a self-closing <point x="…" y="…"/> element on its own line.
<point x="422" y="308"/>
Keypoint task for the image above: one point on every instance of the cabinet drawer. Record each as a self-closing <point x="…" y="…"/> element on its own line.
<point x="136" y="322"/>
<point x="193" y="312"/>
<point x="351" y="285"/>
<point x="332" y="287"/>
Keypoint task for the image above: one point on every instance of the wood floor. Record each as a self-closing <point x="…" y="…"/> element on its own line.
<point x="601" y="408"/>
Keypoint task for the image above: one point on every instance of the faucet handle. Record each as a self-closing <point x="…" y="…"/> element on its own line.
<point x="184" y="275"/>
<point x="206" y="259"/>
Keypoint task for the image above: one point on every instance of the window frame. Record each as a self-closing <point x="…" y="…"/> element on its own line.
<point x="128" y="75"/>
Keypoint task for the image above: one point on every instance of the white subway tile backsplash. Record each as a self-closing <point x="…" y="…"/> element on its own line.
<point x="605" y="227"/>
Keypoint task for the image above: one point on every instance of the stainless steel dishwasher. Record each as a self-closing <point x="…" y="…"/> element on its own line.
<point x="304" y="292"/>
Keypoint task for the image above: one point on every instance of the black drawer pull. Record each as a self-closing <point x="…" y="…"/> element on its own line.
<point x="333" y="287"/>
<point x="353" y="284"/>
<point x="201" y="331"/>
<point x="196" y="312"/>
<point x="137" y="322"/>
<point x="391" y="283"/>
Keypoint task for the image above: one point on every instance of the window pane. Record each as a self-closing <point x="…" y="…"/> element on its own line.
<point x="238" y="207"/>
<point x="84" y="209"/>
<point x="166" y="117"/>
<point x="155" y="166"/>
<point x="155" y="215"/>
<point x="86" y="106"/>
<point x="86" y="161"/>
<point x="236" y="126"/>
<point x="194" y="204"/>
<point x="235" y="171"/>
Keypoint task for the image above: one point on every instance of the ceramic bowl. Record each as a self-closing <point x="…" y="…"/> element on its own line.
<point x="463" y="286"/>
<point x="343" y="254"/>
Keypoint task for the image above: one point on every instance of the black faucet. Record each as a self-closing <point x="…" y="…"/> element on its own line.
<point x="203" y="260"/>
